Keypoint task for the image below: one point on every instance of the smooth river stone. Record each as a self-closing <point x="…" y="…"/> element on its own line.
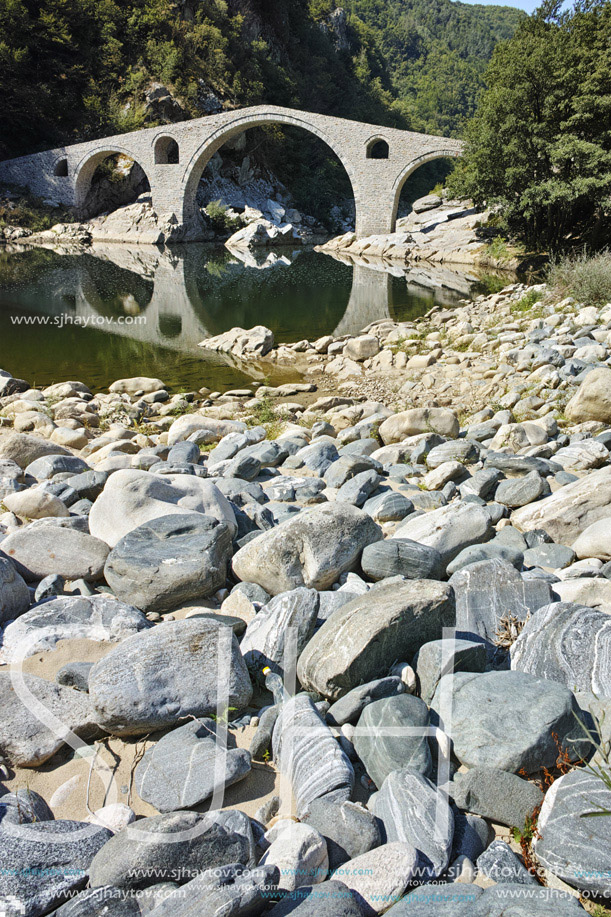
<point x="159" y="676"/>
<point x="24" y="739"/>
<point x="349" y="707"/>
<point x="392" y="734"/>
<point x="498" y="901"/>
<point x="42" y="863"/>
<point x="414" y="811"/>
<point x="449" y="529"/>
<point x="311" y="550"/>
<point x="573" y="847"/>
<point x="362" y="640"/>
<point x="40" y="549"/>
<point x="308" y="755"/>
<point x="180" y="770"/>
<point x="379" y="877"/>
<point x="169" y="561"/>
<point x="502" y="797"/>
<point x="570" y="510"/>
<point x="508" y="720"/>
<point x="388" y="507"/>
<point x="401" y="556"/>
<point x="489" y="590"/>
<point x="298" y="851"/>
<point x="441" y="657"/>
<point x="97" y="617"/>
<point x="567" y="643"/>
<point x="499" y="863"/>
<point x="289" y="615"/>
<point x="14" y="593"/>
<point x="132" y="497"/>
<point x="329" y="899"/>
<point x="230" y="891"/>
<point x="131" y="860"/>
<point x="348" y="828"/>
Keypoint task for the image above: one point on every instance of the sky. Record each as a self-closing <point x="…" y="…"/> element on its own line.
<point x="528" y="5"/>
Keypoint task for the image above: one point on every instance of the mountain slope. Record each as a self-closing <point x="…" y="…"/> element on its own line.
<point x="436" y="52"/>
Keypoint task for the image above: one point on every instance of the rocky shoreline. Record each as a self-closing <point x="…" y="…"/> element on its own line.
<point x="414" y="537"/>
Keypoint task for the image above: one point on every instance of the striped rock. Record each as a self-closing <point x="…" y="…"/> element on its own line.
<point x="308" y="755"/>
<point x="567" y="643"/>
<point x="414" y="811"/>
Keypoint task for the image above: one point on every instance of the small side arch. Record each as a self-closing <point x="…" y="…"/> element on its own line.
<point x="86" y="168"/>
<point x="60" y="170"/>
<point x="377" y="148"/>
<point x="166" y="151"/>
<point x="449" y="153"/>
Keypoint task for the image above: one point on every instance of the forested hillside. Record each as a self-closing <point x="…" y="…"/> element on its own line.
<point x="75" y="69"/>
<point x="436" y="52"/>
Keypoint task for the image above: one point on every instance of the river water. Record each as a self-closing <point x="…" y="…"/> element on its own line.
<point x="119" y="311"/>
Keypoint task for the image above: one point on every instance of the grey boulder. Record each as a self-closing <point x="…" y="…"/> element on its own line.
<point x="308" y="755"/>
<point x="574" y="838"/>
<point x="467" y="900"/>
<point x="162" y="847"/>
<point x="392" y="734"/>
<point x="187" y="766"/>
<point x="401" y="557"/>
<point x="310" y="550"/>
<point x="508" y="720"/>
<point x="348" y="828"/>
<point x="490" y="590"/>
<point x="132" y="497"/>
<point x="441" y="657"/>
<point x="500" y="864"/>
<point x="567" y="643"/>
<point x="177" y="669"/>
<point x="97" y="617"/>
<point x="327" y="899"/>
<point x="230" y="890"/>
<point x="38" y="550"/>
<point x="265" y="642"/>
<point x="373" y="631"/>
<point x="24" y="739"/>
<point x="414" y="811"/>
<point x="349" y="707"/>
<point x="169" y="561"/>
<point x="14" y="593"/>
<point x="502" y="797"/>
<point x="41" y="863"/>
<point x="449" y="529"/>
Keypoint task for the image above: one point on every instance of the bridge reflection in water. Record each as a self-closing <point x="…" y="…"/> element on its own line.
<point x="173" y="299"/>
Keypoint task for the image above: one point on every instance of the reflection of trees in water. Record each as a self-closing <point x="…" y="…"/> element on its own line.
<point x="17" y="268"/>
<point x="300" y="299"/>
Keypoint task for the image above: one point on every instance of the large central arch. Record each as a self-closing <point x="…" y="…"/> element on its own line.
<point x="199" y="160"/>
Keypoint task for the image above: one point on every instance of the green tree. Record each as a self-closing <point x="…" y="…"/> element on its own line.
<point x="539" y="146"/>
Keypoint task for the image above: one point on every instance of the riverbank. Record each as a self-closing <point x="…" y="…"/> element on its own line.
<point x="453" y="471"/>
<point x="438" y="230"/>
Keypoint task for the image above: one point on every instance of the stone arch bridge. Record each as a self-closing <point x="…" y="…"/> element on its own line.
<point x="378" y="161"/>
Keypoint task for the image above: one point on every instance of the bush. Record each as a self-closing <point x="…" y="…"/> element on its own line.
<point x="585" y="277"/>
<point x="527" y="302"/>
<point x="221" y="221"/>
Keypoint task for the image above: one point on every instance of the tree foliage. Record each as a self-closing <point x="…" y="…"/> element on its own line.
<point x="540" y="143"/>
<point x="75" y="69"/>
<point x="436" y="52"/>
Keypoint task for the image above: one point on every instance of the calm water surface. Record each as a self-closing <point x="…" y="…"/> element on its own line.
<point x="120" y="311"/>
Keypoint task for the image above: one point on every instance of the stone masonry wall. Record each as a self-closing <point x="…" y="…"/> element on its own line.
<point x="376" y="183"/>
